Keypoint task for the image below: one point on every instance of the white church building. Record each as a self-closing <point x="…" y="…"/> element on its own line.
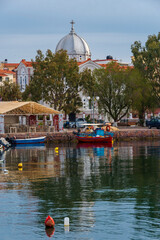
<point x="77" y="48"/>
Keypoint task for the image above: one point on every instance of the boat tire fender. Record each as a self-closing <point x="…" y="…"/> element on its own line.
<point x="108" y="128"/>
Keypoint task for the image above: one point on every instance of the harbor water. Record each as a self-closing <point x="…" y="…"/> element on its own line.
<point x="106" y="192"/>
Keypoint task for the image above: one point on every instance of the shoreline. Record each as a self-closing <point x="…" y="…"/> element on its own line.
<point x="123" y="134"/>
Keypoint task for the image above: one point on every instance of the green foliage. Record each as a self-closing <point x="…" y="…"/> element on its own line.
<point x="142" y="93"/>
<point x="55" y="81"/>
<point x="112" y="88"/>
<point x="147" y="60"/>
<point x="10" y="92"/>
<point x="88" y="83"/>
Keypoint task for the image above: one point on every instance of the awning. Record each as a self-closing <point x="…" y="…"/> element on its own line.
<point x="25" y="108"/>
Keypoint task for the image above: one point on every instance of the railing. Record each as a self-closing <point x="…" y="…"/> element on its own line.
<point x="16" y="128"/>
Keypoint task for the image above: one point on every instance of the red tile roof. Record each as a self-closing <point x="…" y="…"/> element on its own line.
<point x="26" y="63"/>
<point x="104" y="63"/>
<point x="3" y="74"/>
<point x="11" y="65"/>
<point x="104" y="60"/>
<point x="7" y="72"/>
<point x="80" y="63"/>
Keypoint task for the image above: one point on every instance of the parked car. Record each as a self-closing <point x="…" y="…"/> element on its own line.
<point x="80" y="122"/>
<point x="153" y="122"/>
<point x="75" y="124"/>
<point x="69" y="124"/>
<point x="72" y="124"/>
<point x="128" y="122"/>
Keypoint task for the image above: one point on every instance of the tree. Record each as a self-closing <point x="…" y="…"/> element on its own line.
<point x="10" y="92"/>
<point x="147" y="60"/>
<point x="112" y="88"/>
<point x="141" y="93"/>
<point x="56" y="81"/>
<point x="88" y="82"/>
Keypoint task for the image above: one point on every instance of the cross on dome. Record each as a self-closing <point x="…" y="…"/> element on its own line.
<point x="72" y="28"/>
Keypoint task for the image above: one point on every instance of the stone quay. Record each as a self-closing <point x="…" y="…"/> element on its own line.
<point x="123" y="134"/>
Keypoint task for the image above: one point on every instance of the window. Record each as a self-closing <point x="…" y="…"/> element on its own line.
<point x="0" y="79"/>
<point x="48" y="117"/>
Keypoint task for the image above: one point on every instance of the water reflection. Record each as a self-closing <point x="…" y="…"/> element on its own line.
<point x="50" y="231"/>
<point x="96" y="186"/>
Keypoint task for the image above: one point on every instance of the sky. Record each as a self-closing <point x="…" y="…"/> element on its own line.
<point x="109" y="27"/>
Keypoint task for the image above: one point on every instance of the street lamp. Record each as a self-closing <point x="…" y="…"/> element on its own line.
<point x="93" y="99"/>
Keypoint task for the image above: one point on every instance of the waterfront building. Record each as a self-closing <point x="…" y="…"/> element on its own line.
<point x="79" y="49"/>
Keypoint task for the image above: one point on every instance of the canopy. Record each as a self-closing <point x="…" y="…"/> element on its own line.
<point x="25" y="108"/>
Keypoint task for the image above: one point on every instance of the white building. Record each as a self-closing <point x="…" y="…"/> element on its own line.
<point x="77" y="48"/>
<point x="24" y="73"/>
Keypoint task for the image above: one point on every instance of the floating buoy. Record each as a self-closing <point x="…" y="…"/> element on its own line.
<point x="20" y="165"/>
<point x="66" y="221"/>
<point x="56" y="149"/>
<point x="49" y="222"/>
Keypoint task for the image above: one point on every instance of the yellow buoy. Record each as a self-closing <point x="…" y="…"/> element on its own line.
<point x="56" y="149"/>
<point x="20" y="165"/>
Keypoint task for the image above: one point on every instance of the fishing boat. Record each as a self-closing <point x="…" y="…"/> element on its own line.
<point x="15" y="141"/>
<point x="97" y="136"/>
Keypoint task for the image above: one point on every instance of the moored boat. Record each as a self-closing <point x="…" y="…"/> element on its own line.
<point x="97" y="136"/>
<point x="15" y="141"/>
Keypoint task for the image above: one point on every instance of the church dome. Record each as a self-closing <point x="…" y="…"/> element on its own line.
<point x="75" y="46"/>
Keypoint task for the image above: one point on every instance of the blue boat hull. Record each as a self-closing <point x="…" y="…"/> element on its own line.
<point x="29" y="140"/>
